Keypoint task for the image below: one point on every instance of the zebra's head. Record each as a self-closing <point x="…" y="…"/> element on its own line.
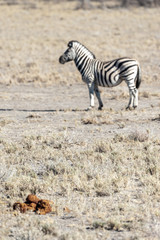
<point x="69" y="54"/>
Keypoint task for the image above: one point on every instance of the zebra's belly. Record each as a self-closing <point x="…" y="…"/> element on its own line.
<point x="108" y="82"/>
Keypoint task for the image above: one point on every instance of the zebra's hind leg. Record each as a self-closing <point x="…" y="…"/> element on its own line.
<point x="98" y="97"/>
<point x="133" y="101"/>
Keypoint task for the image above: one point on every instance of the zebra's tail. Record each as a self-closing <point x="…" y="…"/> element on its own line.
<point x="138" y="80"/>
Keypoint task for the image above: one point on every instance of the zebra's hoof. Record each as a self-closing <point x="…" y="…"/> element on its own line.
<point x="89" y="108"/>
<point x="100" y="107"/>
<point x="128" y="108"/>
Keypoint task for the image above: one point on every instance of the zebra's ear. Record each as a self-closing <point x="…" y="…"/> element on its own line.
<point x="70" y="44"/>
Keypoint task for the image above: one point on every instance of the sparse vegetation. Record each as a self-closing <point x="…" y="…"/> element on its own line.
<point x="95" y="174"/>
<point x="100" y="168"/>
<point x="98" y="119"/>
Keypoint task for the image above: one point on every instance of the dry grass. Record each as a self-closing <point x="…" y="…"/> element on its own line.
<point x="149" y="94"/>
<point x="97" y="119"/>
<point x="139" y="136"/>
<point x="32" y="42"/>
<point x="110" y="184"/>
<point x="4" y="122"/>
<point x="96" y="164"/>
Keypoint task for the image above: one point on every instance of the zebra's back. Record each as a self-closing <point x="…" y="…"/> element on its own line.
<point x="112" y="73"/>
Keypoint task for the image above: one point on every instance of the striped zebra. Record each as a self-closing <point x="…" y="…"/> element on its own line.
<point x="106" y="74"/>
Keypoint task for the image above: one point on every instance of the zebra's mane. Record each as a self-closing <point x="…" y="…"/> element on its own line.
<point x="70" y="44"/>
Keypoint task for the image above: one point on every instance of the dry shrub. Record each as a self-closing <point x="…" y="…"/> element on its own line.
<point x="102" y="147"/>
<point x="4" y="122"/>
<point x="97" y="119"/>
<point x="112" y="225"/>
<point x="48" y="229"/>
<point x="139" y="136"/>
<point x="90" y="121"/>
<point x="145" y="94"/>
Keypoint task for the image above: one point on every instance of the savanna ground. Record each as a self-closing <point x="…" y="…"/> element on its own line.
<point x="102" y="165"/>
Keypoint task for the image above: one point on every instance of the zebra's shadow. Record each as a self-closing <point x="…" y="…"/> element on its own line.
<point x="41" y="110"/>
<point x="156" y="119"/>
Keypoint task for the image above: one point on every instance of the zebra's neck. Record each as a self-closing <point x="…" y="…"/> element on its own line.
<point x="83" y="55"/>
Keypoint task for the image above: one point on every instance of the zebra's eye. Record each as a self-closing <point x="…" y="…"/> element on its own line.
<point x="69" y="44"/>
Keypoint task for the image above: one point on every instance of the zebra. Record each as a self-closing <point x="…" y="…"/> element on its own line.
<point x="106" y="74"/>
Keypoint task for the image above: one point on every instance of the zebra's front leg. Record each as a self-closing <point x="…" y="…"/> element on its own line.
<point x="98" y="97"/>
<point x="91" y="94"/>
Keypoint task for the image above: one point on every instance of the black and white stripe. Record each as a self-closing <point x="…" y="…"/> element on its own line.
<point x="106" y="74"/>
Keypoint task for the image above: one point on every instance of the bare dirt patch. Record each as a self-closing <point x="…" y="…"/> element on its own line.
<point x="103" y="166"/>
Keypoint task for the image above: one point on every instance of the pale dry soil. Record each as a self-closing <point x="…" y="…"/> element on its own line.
<point x="98" y="163"/>
<point x="28" y="110"/>
<point x="102" y="165"/>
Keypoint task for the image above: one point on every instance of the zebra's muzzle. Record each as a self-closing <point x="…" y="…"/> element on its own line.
<point x="62" y="60"/>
